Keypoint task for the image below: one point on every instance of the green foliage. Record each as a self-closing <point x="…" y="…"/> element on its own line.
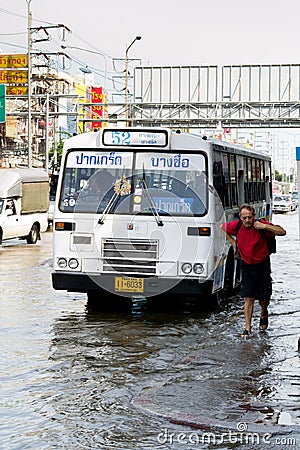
<point x="59" y="149"/>
<point x="278" y="176"/>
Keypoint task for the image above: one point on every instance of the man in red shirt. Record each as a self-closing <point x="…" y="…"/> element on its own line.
<point x="255" y="261"/>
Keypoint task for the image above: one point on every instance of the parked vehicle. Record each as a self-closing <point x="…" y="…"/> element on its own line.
<point x="283" y="204"/>
<point x="24" y="202"/>
<point x="295" y="198"/>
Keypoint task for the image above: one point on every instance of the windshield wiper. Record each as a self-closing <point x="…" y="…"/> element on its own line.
<point x="110" y="206"/>
<point x="113" y="200"/>
<point x="151" y="203"/>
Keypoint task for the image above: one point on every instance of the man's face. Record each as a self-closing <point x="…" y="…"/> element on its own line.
<point x="94" y="184"/>
<point x="247" y="218"/>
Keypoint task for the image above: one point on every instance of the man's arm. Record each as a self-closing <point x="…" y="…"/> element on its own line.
<point x="276" y="229"/>
<point x="228" y="237"/>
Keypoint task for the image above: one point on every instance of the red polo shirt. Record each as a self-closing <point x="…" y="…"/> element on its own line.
<point x="252" y="244"/>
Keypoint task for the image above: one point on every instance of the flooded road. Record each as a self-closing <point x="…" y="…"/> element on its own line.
<point x="145" y="379"/>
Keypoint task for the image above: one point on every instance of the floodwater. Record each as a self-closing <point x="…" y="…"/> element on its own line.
<point x="170" y="378"/>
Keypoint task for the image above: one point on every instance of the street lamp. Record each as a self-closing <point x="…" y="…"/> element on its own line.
<point x="137" y="38"/>
<point x="85" y="70"/>
<point x="29" y="85"/>
<point x="94" y="53"/>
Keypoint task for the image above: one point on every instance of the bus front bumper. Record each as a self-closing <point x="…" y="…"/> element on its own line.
<point x="127" y="286"/>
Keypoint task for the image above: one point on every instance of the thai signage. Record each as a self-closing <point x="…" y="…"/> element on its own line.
<point x="16" y="90"/>
<point x="97" y="111"/>
<point x="13" y="76"/>
<point x="86" y="159"/>
<point x="14" y="73"/>
<point x="13" y="61"/>
<point x="93" y="110"/>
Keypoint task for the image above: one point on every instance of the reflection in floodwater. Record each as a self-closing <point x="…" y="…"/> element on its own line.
<point x="109" y="379"/>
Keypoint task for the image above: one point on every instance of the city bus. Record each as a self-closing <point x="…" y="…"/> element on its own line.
<point x="138" y="212"/>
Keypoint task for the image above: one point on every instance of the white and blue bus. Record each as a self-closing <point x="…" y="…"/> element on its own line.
<point x="138" y="212"/>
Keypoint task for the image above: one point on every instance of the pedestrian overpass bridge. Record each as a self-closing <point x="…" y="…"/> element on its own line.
<point x="233" y="96"/>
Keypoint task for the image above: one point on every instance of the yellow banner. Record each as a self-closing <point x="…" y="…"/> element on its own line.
<point x="13" y="61"/>
<point x="13" y="76"/>
<point x="16" y="90"/>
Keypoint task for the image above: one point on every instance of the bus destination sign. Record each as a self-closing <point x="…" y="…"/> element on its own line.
<point x="135" y="138"/>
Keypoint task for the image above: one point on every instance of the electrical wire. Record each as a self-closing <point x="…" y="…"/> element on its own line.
<point x="13" y="45"/>
<point x="103" y="74"/>
<point x="6" y="11"/>
<point x="13" y="34"/>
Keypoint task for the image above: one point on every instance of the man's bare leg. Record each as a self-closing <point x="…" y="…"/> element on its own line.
<point x="248" y="311"/>
<point x="264" y="322"/>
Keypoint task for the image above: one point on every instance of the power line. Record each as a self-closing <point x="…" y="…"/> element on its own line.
<point x="13" y="45"/>
<point x="12" y="13"/>
<point x="12" y="34"/>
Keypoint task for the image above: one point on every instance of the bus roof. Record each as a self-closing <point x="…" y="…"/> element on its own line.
<point x="95" y="140"/>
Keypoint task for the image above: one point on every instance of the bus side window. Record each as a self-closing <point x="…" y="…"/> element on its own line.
<point x="219" y="180"/>
<point x="250" y="181"/>
<point x="245" y="172"/>
<point x="233" y="180"/>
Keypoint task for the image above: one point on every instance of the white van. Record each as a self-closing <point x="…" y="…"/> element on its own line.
<point x="24" y="203"/>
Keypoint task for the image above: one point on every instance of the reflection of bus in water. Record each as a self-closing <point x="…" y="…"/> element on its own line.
<point x="138" y="212"/>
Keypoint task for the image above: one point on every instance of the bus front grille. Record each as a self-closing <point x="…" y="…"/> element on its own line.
<point x="130" y="256"/>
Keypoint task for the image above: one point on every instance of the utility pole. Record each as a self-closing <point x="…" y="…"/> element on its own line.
<point x="47" y="135"/>
<point x="298" y="178"/>
<point x="29" y="82"/>
<point x="29" y="17"/>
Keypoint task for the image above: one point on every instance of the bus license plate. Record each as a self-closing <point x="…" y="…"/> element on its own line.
<point x="129" y="284"/>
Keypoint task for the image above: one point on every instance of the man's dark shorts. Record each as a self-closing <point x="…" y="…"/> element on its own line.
<point x="256" y="280"/>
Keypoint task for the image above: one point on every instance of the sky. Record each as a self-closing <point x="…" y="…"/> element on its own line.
<point x="190" y="32"/>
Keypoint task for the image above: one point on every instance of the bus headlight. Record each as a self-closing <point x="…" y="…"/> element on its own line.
<point x="186" y="268"/>
<point x="73" y="263"/>
<point x="62" y="263"/>
<point x="198" y="268"/>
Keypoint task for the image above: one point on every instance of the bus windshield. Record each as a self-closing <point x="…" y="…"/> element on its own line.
<point x="135" y="183"/>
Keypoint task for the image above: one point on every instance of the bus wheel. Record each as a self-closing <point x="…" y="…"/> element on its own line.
<point x="33" y="235"/>
<point x="93" y="301"/>
<point x="100" y="301"/>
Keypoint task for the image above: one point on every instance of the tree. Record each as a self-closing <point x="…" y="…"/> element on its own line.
<point x="278" y="176"/>
<point x="59" y="149"/>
